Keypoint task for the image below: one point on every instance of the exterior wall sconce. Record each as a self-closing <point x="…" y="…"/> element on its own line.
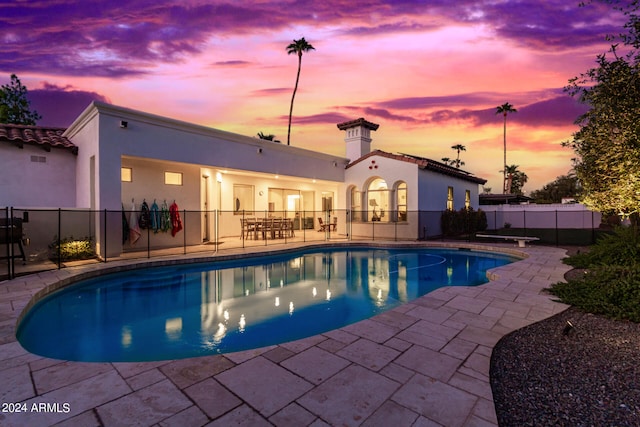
<point x="124" y="124"/>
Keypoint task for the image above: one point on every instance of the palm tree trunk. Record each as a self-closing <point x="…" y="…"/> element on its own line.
<point x="504" y="169"/>
<point x="295" y="89"/>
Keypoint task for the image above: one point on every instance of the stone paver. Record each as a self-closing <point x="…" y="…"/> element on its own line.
<point x="146" y="406"/>
<point x="315" y="365"/>
<point x="436" y="400"/>
<point x="349" y="397"/>
<point x="212" y="397"/>
<point x="422" y="364"/>
<point x="264" y="385"/>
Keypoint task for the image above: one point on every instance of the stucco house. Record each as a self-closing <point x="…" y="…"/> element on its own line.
<point x="37" y="167"/>
<point x="113" y="157"/>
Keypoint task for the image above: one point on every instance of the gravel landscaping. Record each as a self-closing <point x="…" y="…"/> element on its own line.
<point x="573" y="369"/>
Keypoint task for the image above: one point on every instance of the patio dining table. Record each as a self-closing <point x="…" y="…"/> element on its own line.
<point x="267" y="228"/>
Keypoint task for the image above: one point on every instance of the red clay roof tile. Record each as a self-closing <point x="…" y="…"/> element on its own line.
<point x="423" y="163"/>
<point x="36" y="135"/>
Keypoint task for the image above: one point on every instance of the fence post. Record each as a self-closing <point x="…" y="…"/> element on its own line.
<point x="242" y="228"/>
<point x="11" y="259"/>
<point x="395" y="228"/>
<point x="104" y="235"/>
<point x="557" y="232"/>
<point x="11" y="267"/>
<point x="184" y="231"/>
<point x="59" y="238"/>
<point x="373" y="230"/>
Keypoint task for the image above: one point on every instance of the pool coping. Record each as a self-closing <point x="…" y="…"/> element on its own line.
<point x="457" y="326"/>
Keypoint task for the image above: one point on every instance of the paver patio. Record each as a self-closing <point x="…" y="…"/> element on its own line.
<point x="425" y="363"/>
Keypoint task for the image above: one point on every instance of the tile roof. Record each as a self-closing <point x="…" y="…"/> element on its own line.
<point x="424" y="163"/>
<point x="36" y="135"/>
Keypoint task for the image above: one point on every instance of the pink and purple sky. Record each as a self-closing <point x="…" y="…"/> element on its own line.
<point x="430" y="72"/>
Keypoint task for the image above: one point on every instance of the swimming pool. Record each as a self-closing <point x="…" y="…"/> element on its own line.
<point x="164" y="313"/>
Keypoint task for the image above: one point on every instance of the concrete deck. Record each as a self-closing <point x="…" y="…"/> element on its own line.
<point x="425" y="363"/>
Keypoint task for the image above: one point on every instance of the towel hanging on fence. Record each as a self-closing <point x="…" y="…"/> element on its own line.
<point x="145" y="217"/>
<point x="176" y="222"/>
<point x="165" y="217"/>
<point x="155" y="217"/>
<point x="134" y="228"/>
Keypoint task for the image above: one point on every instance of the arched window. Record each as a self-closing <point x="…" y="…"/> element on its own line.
<point x="401" y="201"/>
<point x="378" y="201"/>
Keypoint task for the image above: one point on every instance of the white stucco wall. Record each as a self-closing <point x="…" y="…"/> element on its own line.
<point x="433" y="191"/>
<point x="392" y="171"/>
<point x="160" y="138"/>
<point x="28" y="183"/>
<point x="566" y="216"/>
<point x="103" y="143"/>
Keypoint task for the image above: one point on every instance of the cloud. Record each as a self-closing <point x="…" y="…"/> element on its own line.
<point x="109" y="38"/>
<point x="233" y="64"/>
<point x="425" y="102"/>
<point x="551" y="108"/>
<point x="559" y="111"/>
<point x="549" y="25"/>
<point x="114" y="39"/>
<point x="270" y="91"/>
<point x="382" y="113"/>
<point x="60" y="106"/>
<point x="331" y="118"/>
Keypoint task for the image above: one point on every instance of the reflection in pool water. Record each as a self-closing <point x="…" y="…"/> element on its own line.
<point x="199" y="309"/>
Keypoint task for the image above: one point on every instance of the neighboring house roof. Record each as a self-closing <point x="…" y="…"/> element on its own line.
<point x="424" y="163"/>
<point x="36" y="135"/>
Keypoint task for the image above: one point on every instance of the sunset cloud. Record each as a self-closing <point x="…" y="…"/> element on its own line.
<point x="430" y="72"/>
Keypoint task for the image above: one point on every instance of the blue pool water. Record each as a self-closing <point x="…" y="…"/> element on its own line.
<point x="201" y="309"/>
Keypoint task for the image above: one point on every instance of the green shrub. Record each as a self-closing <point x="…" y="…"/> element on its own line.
<point x="464" y="221"/>
<point x="72" y="249"/>
<point x="611" y="286"/>
<point x="612" y="291"/>
<point x="622" y="247"/>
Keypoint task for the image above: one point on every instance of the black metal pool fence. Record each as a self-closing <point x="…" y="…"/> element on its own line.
<point x="40" y="239"/>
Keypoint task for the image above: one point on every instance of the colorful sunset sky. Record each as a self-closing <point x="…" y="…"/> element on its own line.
<point x="429" y="72"/>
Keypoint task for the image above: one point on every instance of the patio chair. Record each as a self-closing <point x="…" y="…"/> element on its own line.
<point x="277" y="227"/>
<point x="248" y="228"/>
<point x="323" y="226"/>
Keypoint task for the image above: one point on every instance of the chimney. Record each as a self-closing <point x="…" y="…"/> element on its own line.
<point x="357" y="137"/>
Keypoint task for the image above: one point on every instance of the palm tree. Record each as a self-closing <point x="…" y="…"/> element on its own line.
<point x="298" y="47"/>
<point x="505" y="109"/>
<point x="458" y="148"/>
<point x="266" y="137"/>
<point x="517" y="177"/>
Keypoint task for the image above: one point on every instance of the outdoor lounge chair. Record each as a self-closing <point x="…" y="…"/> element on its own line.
<point x="323" y="226"/>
